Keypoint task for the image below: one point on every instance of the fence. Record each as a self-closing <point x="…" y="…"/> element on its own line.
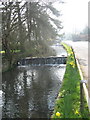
<point x="83" y="87"/>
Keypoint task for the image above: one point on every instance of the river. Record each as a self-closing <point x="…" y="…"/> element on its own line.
<point x="30" y="91"/>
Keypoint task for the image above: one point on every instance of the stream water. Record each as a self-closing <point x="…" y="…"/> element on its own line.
<point x="30" y="91"/>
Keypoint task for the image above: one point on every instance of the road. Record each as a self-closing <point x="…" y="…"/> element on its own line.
<point x="81" y="52"/>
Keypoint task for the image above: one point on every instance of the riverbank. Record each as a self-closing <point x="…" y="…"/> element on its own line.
<point x="30" y="53"/>
<point x="68" y="102"/>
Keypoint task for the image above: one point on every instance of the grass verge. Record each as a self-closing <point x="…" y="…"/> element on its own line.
<point x="68" y="102"/>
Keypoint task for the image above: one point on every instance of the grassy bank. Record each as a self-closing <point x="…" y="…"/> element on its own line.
<point x="16" y="55"/>
<point x="68" y="102"/>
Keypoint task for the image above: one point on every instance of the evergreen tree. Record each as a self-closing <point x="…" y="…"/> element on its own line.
<point x="27" y="24"/>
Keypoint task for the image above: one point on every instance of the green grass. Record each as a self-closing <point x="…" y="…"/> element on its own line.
<point x="68" y="101"/>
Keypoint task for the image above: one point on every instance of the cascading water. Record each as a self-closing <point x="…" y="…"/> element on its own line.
<point x="42" y="61"/>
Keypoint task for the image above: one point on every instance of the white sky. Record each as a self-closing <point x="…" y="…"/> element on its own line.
<point x="75" y="15"/>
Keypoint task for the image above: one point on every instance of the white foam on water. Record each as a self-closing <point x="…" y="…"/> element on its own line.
<point x="1" y="98"/>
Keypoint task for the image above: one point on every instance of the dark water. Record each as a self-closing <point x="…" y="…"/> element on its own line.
<point x="31" y="91"/>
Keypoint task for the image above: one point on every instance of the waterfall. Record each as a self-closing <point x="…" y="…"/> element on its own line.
<point x="42" y="61"/>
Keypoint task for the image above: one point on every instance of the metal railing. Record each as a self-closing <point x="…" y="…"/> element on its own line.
<point x="83" y="87"/>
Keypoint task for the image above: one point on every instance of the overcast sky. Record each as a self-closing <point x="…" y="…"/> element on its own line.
<point x="75" y="15"/>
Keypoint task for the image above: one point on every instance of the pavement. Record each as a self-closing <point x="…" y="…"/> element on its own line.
<point x="81" y="53"/>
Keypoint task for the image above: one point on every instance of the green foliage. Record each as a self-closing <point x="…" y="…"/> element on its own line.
<point x="27" y="26"/>
<point x="68" y="101"/>
<point x="54" y="11"/>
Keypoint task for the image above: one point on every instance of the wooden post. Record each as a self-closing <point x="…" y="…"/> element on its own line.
<point x="82" y="95"/>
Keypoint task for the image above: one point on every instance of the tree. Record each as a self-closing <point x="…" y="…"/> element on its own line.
<point x="27" y="24"/>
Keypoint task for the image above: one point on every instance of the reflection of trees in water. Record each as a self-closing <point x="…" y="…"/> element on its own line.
<point x="23" y="102"/>
<point x="14" y="105"/>
<point x="26" y="92"/>
<point x="40" y="90"/>
<point x="10" y="99"/>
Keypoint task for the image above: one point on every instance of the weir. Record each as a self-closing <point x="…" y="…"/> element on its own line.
<point x="42" y="61"/>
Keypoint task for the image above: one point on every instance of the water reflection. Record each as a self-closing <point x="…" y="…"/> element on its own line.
<point x="30" y="92"/>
